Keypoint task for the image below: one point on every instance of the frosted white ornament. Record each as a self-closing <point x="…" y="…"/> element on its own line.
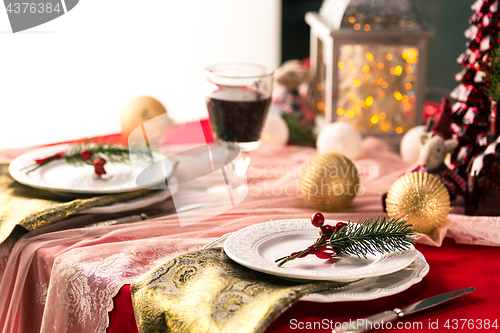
<point x="340" y="138"/>
<point x="410" y="144"/>
<point x="275" y="131"/>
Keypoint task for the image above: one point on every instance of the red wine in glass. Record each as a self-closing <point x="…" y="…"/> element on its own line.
<point x="237" y="115"/>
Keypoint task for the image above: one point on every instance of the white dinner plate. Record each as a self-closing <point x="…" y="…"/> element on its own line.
<point x="258" y="246"/>
<point x="59" y="176"/>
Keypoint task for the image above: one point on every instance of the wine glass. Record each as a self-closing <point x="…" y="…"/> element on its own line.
<point x="238" y="96"/>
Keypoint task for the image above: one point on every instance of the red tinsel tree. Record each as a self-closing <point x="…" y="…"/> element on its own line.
<point x="472" y="109"/>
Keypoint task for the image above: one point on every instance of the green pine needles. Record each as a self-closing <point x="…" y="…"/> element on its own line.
<point x="86" y="153"/>
<point x="492" y="87"/>
<point x="372" y="236"/>
<point x="112" y="152"/>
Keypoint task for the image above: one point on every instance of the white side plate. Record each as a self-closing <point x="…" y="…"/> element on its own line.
<point x="59" y="176"/>
<point x="258" y="246"/>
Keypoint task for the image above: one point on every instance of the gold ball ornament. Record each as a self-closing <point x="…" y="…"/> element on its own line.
<point x="140" y="110"/>
<point x="420" y="199"/>
<point x="329" y="182"/>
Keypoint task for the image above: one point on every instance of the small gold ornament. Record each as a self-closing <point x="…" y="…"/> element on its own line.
<point x="329" y="182"/>
<point x="140" y="110"/>
<point x="420" y="199"/>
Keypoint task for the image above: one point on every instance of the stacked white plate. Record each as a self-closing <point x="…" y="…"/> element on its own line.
<point x="258" y="246"/>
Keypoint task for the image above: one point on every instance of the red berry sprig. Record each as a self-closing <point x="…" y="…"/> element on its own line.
<point x="320" y="248"/>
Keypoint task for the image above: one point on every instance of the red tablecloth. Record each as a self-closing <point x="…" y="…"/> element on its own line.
<point x="452" y="267"/>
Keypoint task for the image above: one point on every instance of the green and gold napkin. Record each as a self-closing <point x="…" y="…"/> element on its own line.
<point x="205" y="291"/>
<point x="32" y="208"/>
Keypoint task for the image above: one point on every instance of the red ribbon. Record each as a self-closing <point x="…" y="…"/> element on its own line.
<point x="57" y="156"/>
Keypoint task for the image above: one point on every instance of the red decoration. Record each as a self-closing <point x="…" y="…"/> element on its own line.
<point x="86" y="154"/>
<point x="443" y="120"/>
<point x="99" y="166"/>
<point x="470" y="114"/>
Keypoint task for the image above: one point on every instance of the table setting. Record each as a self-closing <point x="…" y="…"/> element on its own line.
<point x="104" y="262"/>
<point x="257" y="220"/>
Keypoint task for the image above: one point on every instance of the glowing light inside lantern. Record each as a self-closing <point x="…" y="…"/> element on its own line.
<point x="320" y="86"/>
<point x="375" y="78"/>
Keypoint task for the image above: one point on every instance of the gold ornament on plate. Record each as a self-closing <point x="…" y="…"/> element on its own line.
<point x="329" y="182"/>
<point x="420" y="199"/>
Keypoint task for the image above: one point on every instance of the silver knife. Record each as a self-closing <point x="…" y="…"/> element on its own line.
<point x="367" y="324"/>
<point x="142" y="217"/>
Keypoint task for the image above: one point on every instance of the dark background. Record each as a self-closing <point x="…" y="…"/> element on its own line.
<point x="449" y="18"/>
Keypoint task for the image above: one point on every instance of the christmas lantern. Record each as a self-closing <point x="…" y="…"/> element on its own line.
<point x="368" y="64"/>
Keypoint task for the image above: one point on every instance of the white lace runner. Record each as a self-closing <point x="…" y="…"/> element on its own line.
<point x="86" y="283"/>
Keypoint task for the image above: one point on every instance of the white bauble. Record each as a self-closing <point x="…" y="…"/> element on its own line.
<point x="410" y="144"/>
<point x="275" y="131"/>
<point x="340" y="138"/>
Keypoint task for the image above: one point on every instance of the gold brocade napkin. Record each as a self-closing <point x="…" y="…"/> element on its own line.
<point x="205" y="291"/>
<point x="32" y="208"/>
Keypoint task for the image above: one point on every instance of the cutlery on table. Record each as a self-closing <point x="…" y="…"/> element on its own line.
<point x="142" y="217"/>
<point x="367" y="324"/>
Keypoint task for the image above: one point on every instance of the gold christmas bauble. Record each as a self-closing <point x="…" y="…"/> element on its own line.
<point x="329" y="182"/>
<point x="420" y="199"/>
<point x="140" y="110"/>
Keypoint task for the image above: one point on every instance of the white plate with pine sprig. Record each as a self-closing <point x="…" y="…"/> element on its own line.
<point x="259" y="246"/>
<point x="63" y="177"/>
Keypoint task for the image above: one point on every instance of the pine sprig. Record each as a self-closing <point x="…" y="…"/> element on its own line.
<point x="300" y="134"/>
<point x="113" y="153"/>
<point x="372" y="236"/>
<point x="492" y="81"/>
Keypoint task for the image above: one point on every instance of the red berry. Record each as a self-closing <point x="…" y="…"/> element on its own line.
<point x="317" y="219"/>
<point x="327" y="229"/>
<point x="99" y="162"/>
<point x="99" y="170"/>
<point x="340" y="225"/>
<point x="86" y="154"/>
<point x="324" y="253"/>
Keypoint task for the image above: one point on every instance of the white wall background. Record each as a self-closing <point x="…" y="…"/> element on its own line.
<point x="71" y="77"/>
